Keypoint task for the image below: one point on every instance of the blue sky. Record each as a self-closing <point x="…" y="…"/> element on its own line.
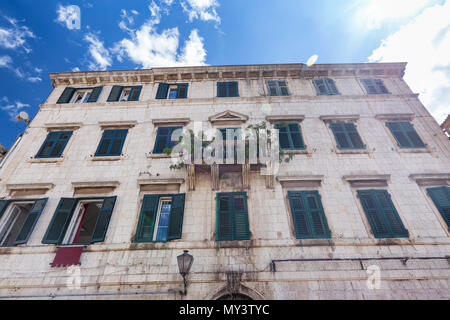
<point x="39" y="37"/>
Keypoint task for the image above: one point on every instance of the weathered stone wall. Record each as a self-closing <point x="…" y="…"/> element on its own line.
<point x="119" y="268"/>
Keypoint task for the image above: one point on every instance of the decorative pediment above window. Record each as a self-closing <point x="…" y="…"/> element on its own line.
<point x="117" y="124"/>
<point x="171" y="121"/>
<point x="395" y="116"/>
<point x="228" y="117"/>
<point x="95" y="187"/>
<point x="161" y="184"/>
<point x="367" y="181"/>
<point x="300" y="181"/>
<point x="285" y="118"/>
<point x="63" y="126"/>
<point x="27" y="189"/>
<point x="431" y="179"/>
<point x="329" y="118"/>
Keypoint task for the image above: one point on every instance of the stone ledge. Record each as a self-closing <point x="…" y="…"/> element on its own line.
<point x="96" y="184"/>
<point x="395" y="116"/>
<point x="65" y="125"/>
<point x="110" y="158"/>
<point x="351" y="117"/>
<point x="117" y="124"/>
<point x="29" y="186"/>
<point x="46" y="160"/>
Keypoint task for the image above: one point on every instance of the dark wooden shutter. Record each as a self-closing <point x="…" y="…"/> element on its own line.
<point x="60" y="221"/>
<point x="146" y="224"/>
<point x="347" y="136"/>
<point x="272" y="87"/>
<point x="233" y="89"/>
<point x="374" y="216"/>
<point x="240" y="210"/>
<point x="66" y="95"/>
<point x="103" y="219"/>
<point x="176" y="217"/>
<point x="339" y="134"/>
<point x="95" y="94"/>
<point x="111" y="143"/>
<point x="332" y="89"/>
<point x="283" y="87"/>
<point x="296" y="136"/>
<point x="405" y="135"/>
<point x="161" y="141"/>
<point x="221" y="89"/>
<point x="370" y="86"/>
<point x="163" y="88"/>
<point x="3" y="206"/>
<point x="299" y="215"/>
<point x="318" y="220"/>
<point x="114" y="95"/>
<point x="321" y="87"/>
<point x="441" y="198"/>
<point x="182" y="90"/>
<point x="411" y="133"/>
<point x="60" y="143"/>
<point x="48" y="144"/>
<point x="224" y="220"/>
<point x="30" y="221"/>
<point x="391" y="214"/>
<point x="135" y="93"/>
<point x="381" y="88"/>
<point x="353" y="136"/>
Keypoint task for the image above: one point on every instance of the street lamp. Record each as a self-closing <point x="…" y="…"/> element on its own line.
<point x="184" y="265"/>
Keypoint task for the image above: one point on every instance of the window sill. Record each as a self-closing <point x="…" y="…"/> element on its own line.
<point x="107" y="158"/>
<point x="414" y="150"/>
<point x="351" y="151"/>
<point x="46" y="160"/>
<point x="305" y="151"/>
<point x="158" y="156"/>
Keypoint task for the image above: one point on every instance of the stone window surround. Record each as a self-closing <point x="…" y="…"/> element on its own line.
<point x="165" y="122"/>
<point x="429" y="180"/>
<point x="375" y="182"/>
<point x="291" y="119"/>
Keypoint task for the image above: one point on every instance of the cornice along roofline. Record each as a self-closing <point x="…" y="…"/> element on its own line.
<point x="264" y="71"/>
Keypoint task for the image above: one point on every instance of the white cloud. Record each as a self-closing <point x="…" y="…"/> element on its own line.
<point x="34" y="79"/>
<point x="14" y="36"/>
<point x="69" y="15"/>
<point x="12" y="109"/>
<point x="149" y="48"/>
<point x="76" y="69"/>
<point x="5" y="61"/>
<point x="425" y="44"/>
<point x="374" y="13"/>
<point x="204" y="10"/>
<point x="101" y="58"/>
<point x="37" y="70"/>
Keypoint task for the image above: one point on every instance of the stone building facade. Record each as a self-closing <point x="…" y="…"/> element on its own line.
<point x="360" y="211"/>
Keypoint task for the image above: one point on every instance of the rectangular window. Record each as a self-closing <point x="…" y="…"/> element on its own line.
<point x="381" y="214"/>
<point x="374" y="86"/>
<point x="346" y="135"/>
<point x="308" y="215"/>
<point x="111" y="143"/>
<point x="54" y="144"/>
<point x="79" y="95"/>
<point x="120" y="93"/>
<point x="172" y="91"/>
<point x="232" y="217"/>
<point x="441" y="198"/>
<point x="161" y="218"/>
<point x="277" y="87"/>
<point x="165" y="139"/>
<point x="325" y="87"/>
<point x="290" y="136"/>
<point x="80" y="221"/>
<point x="405" y="135"/>
<point x="227" y="89"/>
<point x="17" y="220"/>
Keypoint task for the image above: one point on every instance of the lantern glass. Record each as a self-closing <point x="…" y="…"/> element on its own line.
<point x="185" y="262"/>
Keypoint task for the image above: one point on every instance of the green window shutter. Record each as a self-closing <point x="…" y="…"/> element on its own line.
<point x="60" y="221"/>
<point x="163" y="89"/>
<point x="114" y="95"/>
<point x="54" y="144"/>
<point x="272" y="87"/>
<point x="331" y="85"/>
<point x="225" y="217"/>
<point x="382" y="215"/>
<point x="346" y="135"/>
<point x="240" y="210"/>
<point x="308" y="215"/>
<point x="405" y="135"/>
<point x="370" y="86"/>
<point x="95" y="94"/>
<point x="283" y="87"/>
<point x="3" y="206"/>
<point x="176" y="217"/>
<point x="103" y="219"/>
<point x="290" y="137"/>
<point x="182" y="90"/>
<point x="221" y="89"/>
<point x="164" y="139"/>
<point x="381" y="88"/>
<point x="66" y="95"/>
<point x="30" y="221"/>
<point x="441" y="198"/>
<point x="233" y="89"/>
<point x="135" y="93"/>
<point x="146" y="224"/>
<point x="111" y="143"/>
<point x="321" y="87"/>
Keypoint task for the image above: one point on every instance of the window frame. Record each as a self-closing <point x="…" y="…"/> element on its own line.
<point x="231" y="196"/>
<point x="169" y="141"/>
<point x="278" y="88"/>
<point x="108" y="154"/>
<point x="404" y="132"/>
<point x="167" y="88"/>
<point x="161" y="200"/>
<point x="47" y="139"/>
<point x="227" y="89"/>
<point x="347" y="135"/>
<point x="375" y="82"/>
<point x="330" y="90"/>
<point x="445" y="223"/>
<point x="289" y="135"/>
